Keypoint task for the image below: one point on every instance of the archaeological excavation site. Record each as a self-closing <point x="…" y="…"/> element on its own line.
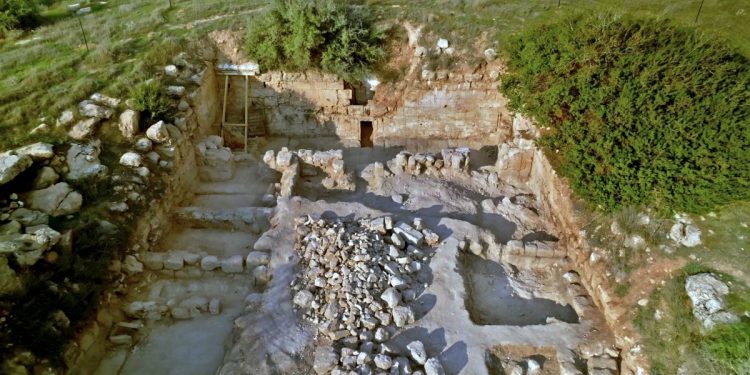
<point x="329" y="192"/>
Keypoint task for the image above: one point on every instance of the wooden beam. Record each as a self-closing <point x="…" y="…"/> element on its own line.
<point x="224" y="109"/>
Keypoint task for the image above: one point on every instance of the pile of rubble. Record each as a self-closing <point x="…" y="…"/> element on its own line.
<point x="356" y="283"/>
<point x="287" y="162"/>
<point x="450" y="160"/>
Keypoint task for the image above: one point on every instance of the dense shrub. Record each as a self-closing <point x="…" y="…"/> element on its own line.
<point x="151" y="98"/>
<point x="18" y="14"/>
<point x="301" y="34"/>
<point x="640" y="111"/>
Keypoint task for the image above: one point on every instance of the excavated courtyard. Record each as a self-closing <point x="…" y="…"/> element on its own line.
<point x="479" y="282"/>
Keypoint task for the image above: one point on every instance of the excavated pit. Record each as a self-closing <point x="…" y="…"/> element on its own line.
<point x="492" y="299"/>
<point x="471" y="295"/>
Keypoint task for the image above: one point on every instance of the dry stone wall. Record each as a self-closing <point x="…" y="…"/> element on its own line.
<point x="447" y="108"/>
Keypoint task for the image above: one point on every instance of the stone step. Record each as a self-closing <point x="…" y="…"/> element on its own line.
<point x="223" y="201"/>
<point x="249" y="178"/>
<point x="253" y="219"/>
<point x="187" y="264"/>
<point x="218" y="242"/>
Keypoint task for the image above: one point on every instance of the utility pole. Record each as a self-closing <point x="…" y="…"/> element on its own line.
<point x="83" y="33"/>
<point x="699" y="11"/>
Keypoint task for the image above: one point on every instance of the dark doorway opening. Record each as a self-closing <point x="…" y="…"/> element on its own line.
<point x="365" y="133"/>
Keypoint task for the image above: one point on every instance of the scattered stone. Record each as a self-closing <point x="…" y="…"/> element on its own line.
<point x="402" y="315"/>
<point x="685" y="233"/>
<point x="129" y="123"/>
<point x="324" y="359"/>
<point x="131" y="159"/>
<point x="176" y="91"/>
<point x="392" y="297"/>
<point x="533" y="367"/>
<point x="214" y="306"/>
<point x="102" y="99"/>
<point x="88" y="109"/>
<point x="66" y="118"/>
<point x="171" y="70"/>
<point x="433" y="367"/>
<point x="143" y="145"/>
<point x="158" y="132"/>
<point x="303" y="299"/>
<point x="707" y="294"/>
<point x="417" y="352"/>
<point x="490" y="54"/>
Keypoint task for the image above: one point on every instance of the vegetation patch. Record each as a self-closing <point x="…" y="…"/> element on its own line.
<point x="672" y="337"/>
<point x="18" y="14"/>
<point x="151" y="99"/>
<point x="638" y="111"/>
<point x="297" y="35"/>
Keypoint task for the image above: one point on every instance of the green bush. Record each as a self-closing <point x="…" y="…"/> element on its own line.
<point x="18" y="14"/>
<point x="639" y="111"/>
<point x="151" y="98"/>
<point x="298" y="34"/>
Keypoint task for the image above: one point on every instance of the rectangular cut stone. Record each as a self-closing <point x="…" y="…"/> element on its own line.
<point x="411" y="235"/>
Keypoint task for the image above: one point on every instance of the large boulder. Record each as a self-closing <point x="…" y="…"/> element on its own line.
<point x="11" y="165"/>
<point x="56" y="200"/>
<point x="37" y="151"/>
<point x="685" y="233"/>
<point x="129" y="120"/>
<point x="707" y="294"/>
<point x="83" y="161"/>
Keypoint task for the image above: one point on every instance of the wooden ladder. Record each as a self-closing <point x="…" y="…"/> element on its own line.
<point x="252" y="126"/>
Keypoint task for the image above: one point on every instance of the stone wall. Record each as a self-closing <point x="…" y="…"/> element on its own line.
<point x="448" y="108"/>
<point x="521" y="161"/>
<point x="461" y="108"/>
<point x="84" y="354"/>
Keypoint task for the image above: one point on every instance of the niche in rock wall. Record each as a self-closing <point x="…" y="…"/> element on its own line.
<point x="360" y="93"/>
<point x="365" y="133"/>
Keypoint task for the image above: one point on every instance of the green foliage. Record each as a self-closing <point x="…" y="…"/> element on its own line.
<point x="640" y="111"/>
<point x="676" y="339"/>
<point x="151" y="99"/>
<point x="727" y="348"/>
<point x="72" y="285"/>
<point x="18" y="14"/>
<point x="298" y="34"/>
